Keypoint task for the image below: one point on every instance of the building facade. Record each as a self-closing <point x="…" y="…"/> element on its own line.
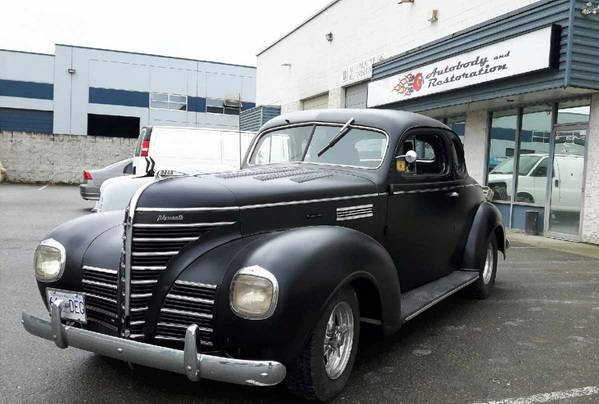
<point x="518" y="80"/>
<point x="88" y="91"/>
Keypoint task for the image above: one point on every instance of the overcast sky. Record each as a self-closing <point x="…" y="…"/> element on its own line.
<point x="230" y="31"/>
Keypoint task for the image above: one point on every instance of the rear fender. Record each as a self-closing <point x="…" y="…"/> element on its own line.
<point x="487" y="221"/>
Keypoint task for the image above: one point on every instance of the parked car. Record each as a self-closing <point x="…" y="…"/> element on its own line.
<point x="93" y="179"/>
<point x="263" y="275"/>
<point x="179" y="150"/>
<point x="532" y="180"/>
<point x="172" y="148"/>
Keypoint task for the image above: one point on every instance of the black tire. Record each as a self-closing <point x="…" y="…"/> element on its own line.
<point x="307" y="376"/>
<point x="481" y="289"/>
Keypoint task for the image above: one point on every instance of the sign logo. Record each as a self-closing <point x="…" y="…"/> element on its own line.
<point x="409" y="83"/>
<point x="166" y="218"/>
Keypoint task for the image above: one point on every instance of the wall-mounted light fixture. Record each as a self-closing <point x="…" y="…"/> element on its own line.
<point x="434" y="16"/>
<point x="405" y="1"/>
<point x="329" y="36"/>
<point x="589" y="9"/>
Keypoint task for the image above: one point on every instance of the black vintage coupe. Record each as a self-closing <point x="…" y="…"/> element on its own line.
<point x="339" y="217"/>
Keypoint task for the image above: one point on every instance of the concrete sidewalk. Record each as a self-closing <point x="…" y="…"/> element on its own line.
<point x="582" y="249"/>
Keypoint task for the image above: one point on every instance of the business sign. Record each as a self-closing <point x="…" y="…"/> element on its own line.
<point x="359" y="71"/>
<point x="523" y="54"/>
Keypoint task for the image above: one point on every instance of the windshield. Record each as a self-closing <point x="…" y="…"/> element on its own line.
<point x="507" y="167"/>
<point x="358" y="147"/>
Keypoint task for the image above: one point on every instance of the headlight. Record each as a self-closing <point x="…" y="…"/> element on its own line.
<point x="254" y="293"/>
<point x="49" y="260"/>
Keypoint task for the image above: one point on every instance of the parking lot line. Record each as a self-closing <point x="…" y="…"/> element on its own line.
<point x="42" y="188"/>
<point x="548" y="397"/>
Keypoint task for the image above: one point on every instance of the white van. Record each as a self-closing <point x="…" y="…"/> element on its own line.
<point x="532" y="180"/>
<point x="190" y="149"/>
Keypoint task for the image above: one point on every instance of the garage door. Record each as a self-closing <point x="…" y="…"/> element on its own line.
<point x="320" y="102"/>
<point x="355" y="96"/>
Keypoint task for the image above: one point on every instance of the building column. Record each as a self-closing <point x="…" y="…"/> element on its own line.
<point x="590" y="207"/>
<point x="475" y="144"/>
<point x="337" y="97"/>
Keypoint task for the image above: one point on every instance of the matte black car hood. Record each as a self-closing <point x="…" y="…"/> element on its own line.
<point x="271" y="184"/>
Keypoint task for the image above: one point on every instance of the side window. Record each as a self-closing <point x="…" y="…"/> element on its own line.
<point x="128" y="169"/>
<point x="541" y="169"/>
<point x="432" y="158"/>
<point x="273" y="149"/>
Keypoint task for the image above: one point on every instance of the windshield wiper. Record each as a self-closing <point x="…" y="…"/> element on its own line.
<point x="336" y="138"/>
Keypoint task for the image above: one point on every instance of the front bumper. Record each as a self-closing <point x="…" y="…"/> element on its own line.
<point x="189" y="362"/>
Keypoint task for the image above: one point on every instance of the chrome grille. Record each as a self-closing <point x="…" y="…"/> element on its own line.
<point x="100" y="286"/>
<point x="187" y="303"/>
<point x="152" y="245"/>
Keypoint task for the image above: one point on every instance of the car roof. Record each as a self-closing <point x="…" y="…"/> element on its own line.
<point x="391" y="121"/>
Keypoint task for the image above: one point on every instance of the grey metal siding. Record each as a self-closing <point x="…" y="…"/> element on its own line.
<point x="251" y="120"/>
<point x="25" y="120"/>
<point x="518" y="22"/>
<point x="356" y="96"/>
<point x="584" y="62"/>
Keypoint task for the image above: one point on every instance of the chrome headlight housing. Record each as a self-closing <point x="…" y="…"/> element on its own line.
<point x="254" y="293"/>
<point x="49" y="260"/>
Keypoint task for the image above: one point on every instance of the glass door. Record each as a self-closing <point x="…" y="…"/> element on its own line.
<point x="565" y="188"/>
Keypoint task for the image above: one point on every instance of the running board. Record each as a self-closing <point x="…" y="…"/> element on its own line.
<point x="426" y="296"/>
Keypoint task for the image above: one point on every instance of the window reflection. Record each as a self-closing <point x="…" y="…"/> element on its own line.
<point x="458" y="125"/>
<point x="502" y="147"/>
<point x="534" y="153"/>
<point x="576" y="111"/>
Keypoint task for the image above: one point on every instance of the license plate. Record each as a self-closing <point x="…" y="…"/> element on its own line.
<point x="73" y="304"/>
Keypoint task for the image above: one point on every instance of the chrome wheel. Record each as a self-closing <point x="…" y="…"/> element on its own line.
<point x="338" y="340"/>
<point x="489" y="260"/>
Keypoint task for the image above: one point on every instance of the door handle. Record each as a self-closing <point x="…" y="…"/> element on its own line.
<point x="453" y="194"/>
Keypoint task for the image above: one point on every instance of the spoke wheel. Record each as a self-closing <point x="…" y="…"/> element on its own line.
<point x="338" y="340"/>
<point x="323" y="367"/>
<point x="481" y="289"/>
<point x="488" y="268"/>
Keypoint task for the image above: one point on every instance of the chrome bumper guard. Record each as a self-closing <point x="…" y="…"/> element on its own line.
<point x="189" y="362"/>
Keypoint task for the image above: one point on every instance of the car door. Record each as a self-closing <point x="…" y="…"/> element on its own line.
<point x="421" y="233"/>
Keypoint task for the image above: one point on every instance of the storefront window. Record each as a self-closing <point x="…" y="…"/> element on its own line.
<point x="502" y="148"/>
<point x="575" y="111"/>
<point x="458" y="125"/>
<point x="534" y="155"/>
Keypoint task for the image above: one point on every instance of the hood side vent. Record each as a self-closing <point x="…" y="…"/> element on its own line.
<point x="255" y="171"/>
<point x="310" y="177"/>
<point x="284" y="174"/>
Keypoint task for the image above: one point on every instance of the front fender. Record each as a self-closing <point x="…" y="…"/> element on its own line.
<point x="76" y="236"/>
<point x="487" y="221"/>
<point x="310" y="265"/>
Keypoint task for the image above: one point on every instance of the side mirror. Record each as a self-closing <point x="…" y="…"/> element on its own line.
<point x="410" y="157"/>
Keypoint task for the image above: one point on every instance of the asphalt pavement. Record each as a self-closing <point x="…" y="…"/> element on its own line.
<point x="536" y="339"/>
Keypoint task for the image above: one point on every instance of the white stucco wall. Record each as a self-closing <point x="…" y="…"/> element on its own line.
<point x="361" y="29"/>
<point x="475" y="144"/>
<point x="590" y="220"/>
